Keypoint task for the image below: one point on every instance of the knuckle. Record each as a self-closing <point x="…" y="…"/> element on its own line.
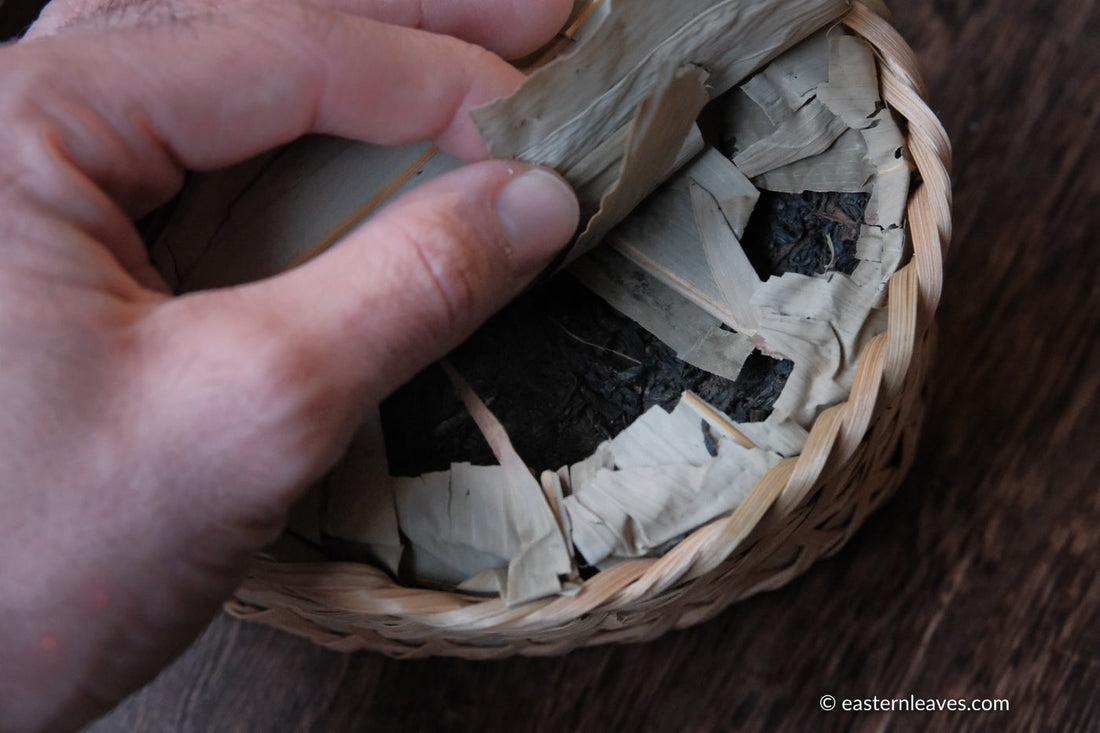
<point x="25" y="87"/>
<point x="50" y="128"/>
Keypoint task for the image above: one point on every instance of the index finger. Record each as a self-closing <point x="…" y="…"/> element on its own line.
<point x="511" y="28"/>
<point x="128" y="108"/>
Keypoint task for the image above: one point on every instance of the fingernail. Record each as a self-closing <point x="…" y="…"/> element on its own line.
<point x="538" y="213"/>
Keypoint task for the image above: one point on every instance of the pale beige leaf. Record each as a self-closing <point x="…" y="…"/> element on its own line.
<point x="542" y="557"/>
<point x="263" y="218"/>
<point x="852" y="93"/>
<point x="631" y="512"/>
<point x="661" y="140"/>
<point x="586" y="95"/>
<point x="734" y="192"/>
<point x="818" y="323"/>
<point x="660" y="438"/>
<point x="456" y="523"/>
<point x="359" y="504"/>
<point x="843" y="167"/>
<point x="785" y="437"/>
<point x="696" y="336"/>
<point x="729" y="265"/>
<point x="569" y="110"/>
<point x="810" y="130"/>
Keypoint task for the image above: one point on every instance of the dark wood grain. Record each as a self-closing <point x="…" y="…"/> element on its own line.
<point x="979" y="580"/>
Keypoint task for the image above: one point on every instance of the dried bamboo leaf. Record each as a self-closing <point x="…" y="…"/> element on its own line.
<point x="729" y="265"/>
<point x="622" y="60"/>
<point x="789" y="93"/>
<point x="633" y="511"/>
<point x="625" y="34"/>
<point x="808" y="131"/>
<point x="684" y="238"/>
<point x="359" y="503"/>
<point x="659" y="142"/>
<point x="720" y="352"/>
<point x="484" y="527"/>
<point x="880" y="252"/>
<point x="852" y="93"/>
<point x="734" y="192"/>
<point x="198" y="218"/>
<point x="777" y="435"/>
<point x="456" y="523"/>
<point x="771" y="100"/>
<point x="852" y="90"/>
<point x="822" y="323"/>
<point x="264" y="216"/>
<point x="567" y="109"/>
<point x="660" y="438"/>
<point x="554" y="487"/>
<point x="489" y="582"/>
<point x="542" y="558"/>
<point x="663" y="240"/>
<point x="842" y="167"/>
<point x="794" y="75"/>
<point x="716" y="420"/>
<point x="305" y="517"/>
<point x="696" y="336"/>
<point x="798" y="125"/>
<point x="819" y="323"/>
<point x="583" y="472"/>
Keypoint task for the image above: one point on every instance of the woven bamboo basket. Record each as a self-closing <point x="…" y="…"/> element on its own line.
<point x="803" y="509"/>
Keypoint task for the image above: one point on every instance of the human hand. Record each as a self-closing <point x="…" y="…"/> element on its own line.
<point x="149" y="445"/>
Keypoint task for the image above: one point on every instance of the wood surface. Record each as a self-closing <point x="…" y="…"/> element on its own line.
<point x="978" y="580"/>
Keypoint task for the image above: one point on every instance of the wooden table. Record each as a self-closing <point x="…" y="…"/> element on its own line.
<point x="979" y="580"/>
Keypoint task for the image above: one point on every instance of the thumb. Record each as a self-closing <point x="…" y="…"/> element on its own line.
<point x="410" y="285"/>
<point x="308" y="351"/>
